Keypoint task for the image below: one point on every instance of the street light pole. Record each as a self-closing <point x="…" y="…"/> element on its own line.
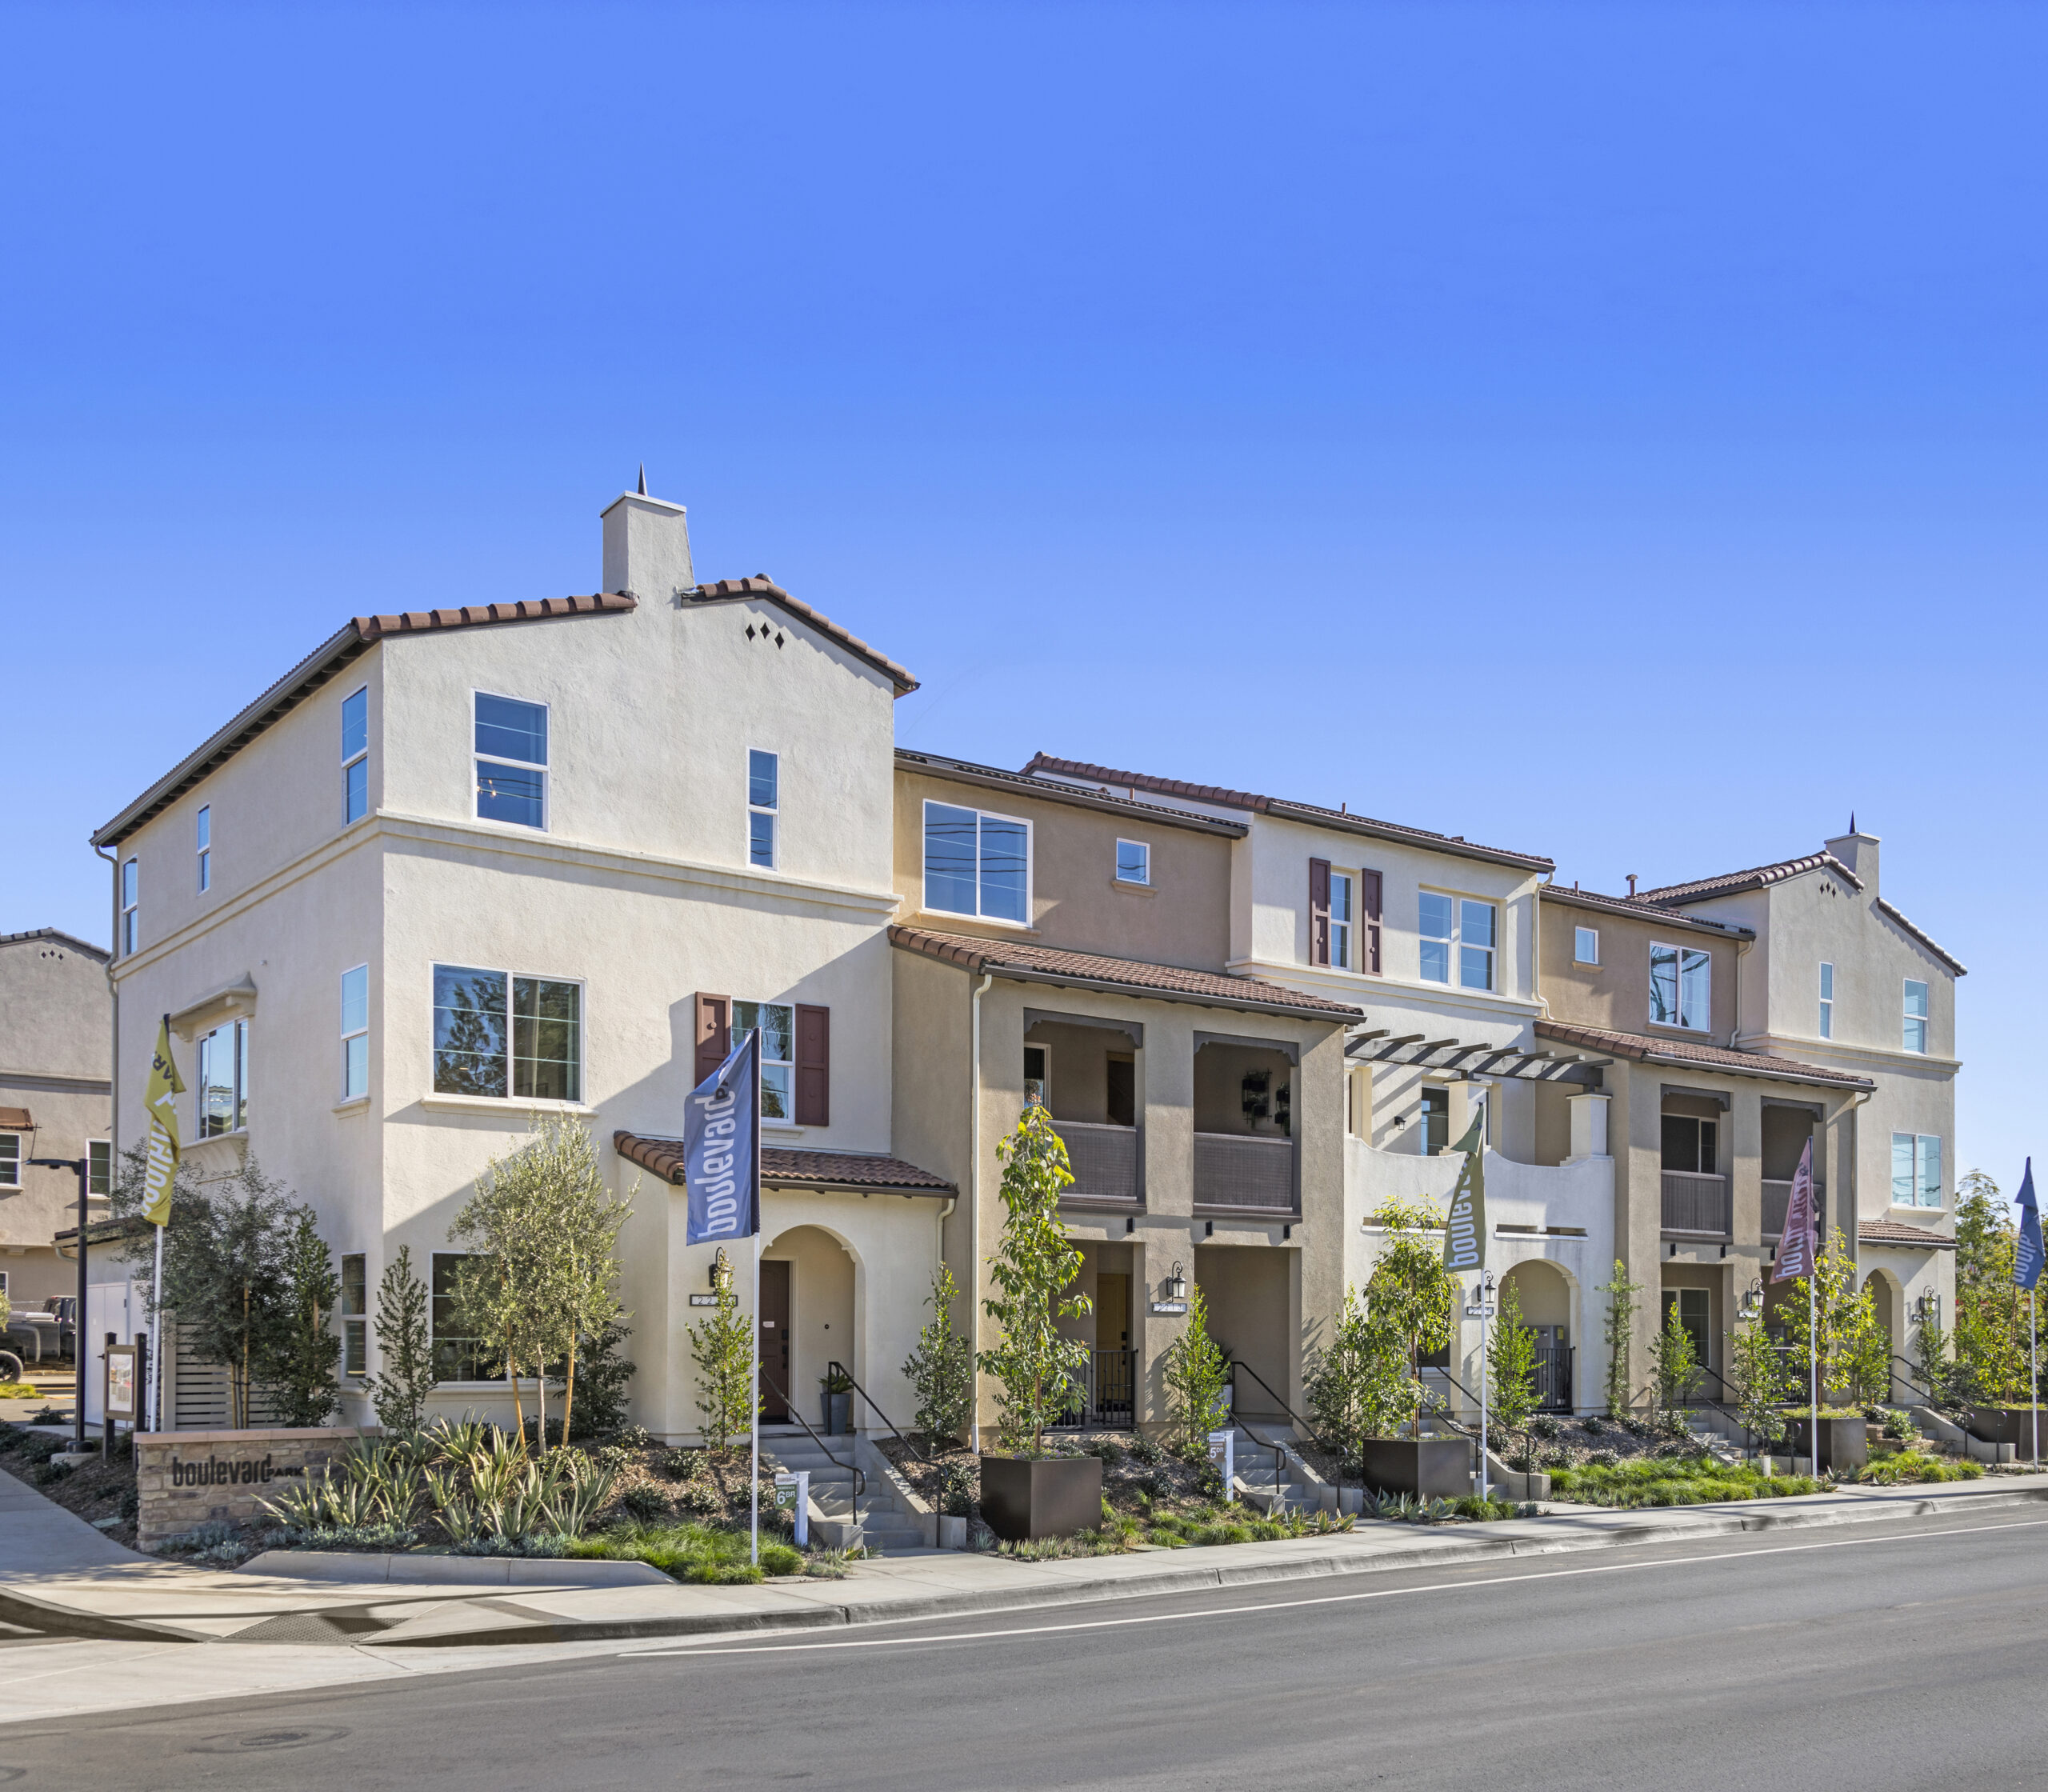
<point x="83" y="1166"/>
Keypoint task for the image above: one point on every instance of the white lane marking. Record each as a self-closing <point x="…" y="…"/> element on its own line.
<point x="1327" y="1599"/>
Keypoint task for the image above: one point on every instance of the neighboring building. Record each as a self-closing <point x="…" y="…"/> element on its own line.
<point x="57" y="1015"/>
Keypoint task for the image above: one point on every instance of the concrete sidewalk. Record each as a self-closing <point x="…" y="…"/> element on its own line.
<point x="87" y="1586"/>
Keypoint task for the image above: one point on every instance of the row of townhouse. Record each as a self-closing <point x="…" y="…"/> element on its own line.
<point x="459" y="867"/>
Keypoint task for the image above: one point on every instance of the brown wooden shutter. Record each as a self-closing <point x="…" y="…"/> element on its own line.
<point x="1318" y="911"/>
<point x="714" y="1033"/>
<point x="1369" y="905"/>
<point x="813" y="1065"/>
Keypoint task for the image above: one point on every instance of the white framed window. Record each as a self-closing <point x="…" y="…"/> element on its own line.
<point x="1343" y="914"/>
<point x="10" y="1160"/>
<point x="458" y="1354"/>
<point x="1916" y="1169"/>
<point x="204" y="832"/>
<point x="497" y="1034"/>
<point x="1827" y="1002"/>
<point x="1037" y="1076"/>
<point x="511" y="761"/>
<point x="355" y="1032"/>
<point x="776" y="1021"/>
<point x="1457" y="932"/>
<point x="355" y="755"/>
<point x="763" y="806"/>
<point x="1681" y="988"/>
<point x="131" y="905"/>
<point x="1916" y="1015"/>
<point x="1585" y="945"/>
<point x="355" y="1314"/>
<point x="223" y="1094"/>
<point x="99" y="1166"/>
<point x="1133" y="861"/>
<point x="977" y="864"/>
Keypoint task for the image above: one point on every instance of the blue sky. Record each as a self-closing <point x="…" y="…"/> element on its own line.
<point x="1614" y="431"/>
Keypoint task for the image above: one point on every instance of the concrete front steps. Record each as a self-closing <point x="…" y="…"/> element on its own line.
<point x="846" y="1511"/>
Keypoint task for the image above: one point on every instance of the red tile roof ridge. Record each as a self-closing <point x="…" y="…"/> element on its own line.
<point x="760" y="585"/>
<point x="479" y="615"/>
<point x="1645" y="1046"/>
<point x="1758" y="875"/>
<point x="662" y="1156"/>
<point x="1896" y="1232"/>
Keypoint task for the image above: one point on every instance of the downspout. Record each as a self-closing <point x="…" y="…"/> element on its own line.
<point x="974" y="1209"/>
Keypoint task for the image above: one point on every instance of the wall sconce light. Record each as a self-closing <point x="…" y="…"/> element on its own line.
<point x="722" y="1271"/>
<point x="1752" y="1306"/>
<point x="1177" y="1285"/>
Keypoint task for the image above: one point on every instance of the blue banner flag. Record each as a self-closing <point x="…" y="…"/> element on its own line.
<point x="2026" y="1260"/>
<point x="720" y="1155"/>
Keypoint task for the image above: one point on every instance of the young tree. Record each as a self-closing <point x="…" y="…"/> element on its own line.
<point x="1034" y="1266"/>
<point x="722" y="1347"/>
<point x="1756" y="1378"/>
<point x="1511" y="1370"/>
<point x="1411" y="1296"/>
<point x="1338" y="1385"/>
<point x="300" y="1368"/>
<point x="1676" y="1362"/>
<point x="942" y="1368"/>
<point x="405" y="1347"/>
<point x="1196" y="1374"/>
<point x="1852" y="1346"/>
<point x="1623" y="1297"/>
<point x="603" y="1376"/>
<point x="1990" y="1333"/>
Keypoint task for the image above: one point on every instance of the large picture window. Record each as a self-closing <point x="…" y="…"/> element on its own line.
<point x="977" y="864"/>
<point x="496" y="1033"/>
<point x="1916" y="1169"/>
<point x="511" y="744"/>
<point x="1457" y="931"/>
<point x="224" y="1080"/>
<point x="1680" y="988"/>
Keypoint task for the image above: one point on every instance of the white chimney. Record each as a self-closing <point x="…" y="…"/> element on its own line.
<point x="1858" y="851"/>
<point x="646" y="546"/>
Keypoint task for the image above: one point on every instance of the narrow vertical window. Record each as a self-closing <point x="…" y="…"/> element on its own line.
<point x="1037" y="1076"/>
<point x="1477" y="923"/>
<point x="1436" y="1119"/>
<point x="511" y="761"/>
<point x="355" y="1032"/>
<point x="131" y="911"/>
<point x="1341" y="918"/>
<point x="355" y="1315"/>
<point x="10" y="1160"/>
<point x="763" y="805"/>
<point x="1916" y="1169"/>
<point x="355" y="756"/>
<point x="206" y="848"/>
<point x="1585" y="945"/>
<point x="223" y="1092"/>
<point x="1916" y="1015"/>
<point x="1827" y="1002"/>
<point x="99" y="1166"/>
<point x="1434" y="923"/>
<point x="776" y="1023"/>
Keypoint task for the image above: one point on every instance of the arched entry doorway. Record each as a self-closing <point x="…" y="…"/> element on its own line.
<point x="1886" y="1303"/>
<point x="1543" y="1293"/>
<point x="806" y="1319"/>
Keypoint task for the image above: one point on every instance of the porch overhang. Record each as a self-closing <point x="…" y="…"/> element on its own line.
<point x="1505" y="1063"/>
<point x="857" y="1172"/>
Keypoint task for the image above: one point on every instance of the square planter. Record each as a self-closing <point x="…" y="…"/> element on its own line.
<point x="952" y="1533"/>
<point x="2012" y="1425"/>
<point x="839" y="1409"/>
<point x="1053" y="1497"/>
<point x="1429" y="1468"/>
<point x="1845" y="1442"/>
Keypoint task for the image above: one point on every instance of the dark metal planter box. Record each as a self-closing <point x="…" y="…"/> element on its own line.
<point x="1053" y="1497"/>
<point x="2012" y="1425"/>
<point x="839" y="1414"/>
<point x="1845" y="1442"/>
<point x="1429" y="1468"/>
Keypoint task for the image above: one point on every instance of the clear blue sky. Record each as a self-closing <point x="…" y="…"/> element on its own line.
<point x="1614" y="431"/>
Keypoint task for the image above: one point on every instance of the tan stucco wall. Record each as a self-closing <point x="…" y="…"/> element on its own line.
<point x="1615" y="993"/>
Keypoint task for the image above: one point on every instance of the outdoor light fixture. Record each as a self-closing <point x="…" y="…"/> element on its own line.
<point x="1928" y="1308"/>
<point x="722" y="1271"/>
<point x="1177" y="1285"/>
<point x="1753" y="1301"/>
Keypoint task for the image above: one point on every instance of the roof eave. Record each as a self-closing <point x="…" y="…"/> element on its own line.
<point x="1393" y="834"/>
<point x="1656" y="915"/>
<point x="991" y="779"/>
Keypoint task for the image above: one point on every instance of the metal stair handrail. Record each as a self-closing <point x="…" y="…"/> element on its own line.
<point x="838" y="1368"/>
<point x="853" y="1469"/>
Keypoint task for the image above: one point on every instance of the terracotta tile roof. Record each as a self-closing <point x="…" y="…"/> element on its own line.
<point x="480" y="615"/>
<point x="1642" y="910"/>
<point x="98" y="953"/>
<point x="15" y="1119"/>
<point x="836" y="1170"/>
<point x="1284" y="808"/>
<point x="1046" y="964"/>
<point x="1646" y="1050"/>
<point x="1700" y="889"/>
<point x="1891" y="1232"/>
<point x="761" y="586"/>
<point x="1024" y="784"/>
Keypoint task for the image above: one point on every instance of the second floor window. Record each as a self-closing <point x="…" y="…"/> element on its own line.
<point x="511" y="746"/>
<point x="495" y="1033"/>
<point x="355" y="1032"/>
<point x="1585" y="945"/>
<point x="1436" y="1119"/>
<point x="1916" y="1169"/>
<point x="99" y="1166"/>
<point x="777" y="1024"/>
<point x="1681" y="987"/>
<point x="977" y="864"/>
<point x="131" y="906"/>
<point x="763" y="794"/>
<point x="1133" y="861"/>
<point x="1341" y="918"/>
<point x="10" y="1160"/>
<point x="224" y="1080"/>
<point x="1691" y="1145"/>
<point x="1916" y="1015"/>
<point x="1457" y="931"/>
<point x="1827" y="1002"/>
<point x="355" y="755"/>
<point x="205" y="833"/>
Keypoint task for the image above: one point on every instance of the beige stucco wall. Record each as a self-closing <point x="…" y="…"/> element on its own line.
<point x="1615" y="993"/>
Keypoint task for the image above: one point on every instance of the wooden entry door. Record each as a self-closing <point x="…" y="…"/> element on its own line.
<point x="775" y="1342"/>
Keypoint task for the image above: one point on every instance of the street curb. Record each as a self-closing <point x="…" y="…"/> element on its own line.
<point x="1485" y="1544"/>
<point x="32" y="1614"/>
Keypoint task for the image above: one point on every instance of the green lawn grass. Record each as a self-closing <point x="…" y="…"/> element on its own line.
<point x="1908" y="1465"/>
<point x="1671" y="1481"/>
<point x="690" y="1552"/>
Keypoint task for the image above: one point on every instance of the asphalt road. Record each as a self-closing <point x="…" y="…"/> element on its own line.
<point x="1901" y="1656"/>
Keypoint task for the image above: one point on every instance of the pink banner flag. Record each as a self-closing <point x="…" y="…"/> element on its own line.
<point x="1800" y="1245"/>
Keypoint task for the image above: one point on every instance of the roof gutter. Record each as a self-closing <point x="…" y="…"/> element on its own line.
<point x="1023" y="973"/>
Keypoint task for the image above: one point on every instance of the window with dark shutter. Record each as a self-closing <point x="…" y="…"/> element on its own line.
<point x="714" y="1017"/>
<point x="1318" y="911"/>
<point x="1369" y="906"/>
<point x="813" y="1065"/>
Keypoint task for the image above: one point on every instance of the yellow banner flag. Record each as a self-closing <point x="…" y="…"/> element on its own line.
<point x="160" y="1169"/>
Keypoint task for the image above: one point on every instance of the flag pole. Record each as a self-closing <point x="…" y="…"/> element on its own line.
<point x="1485" y="1486"/>
<point x="1812" y="1366"/>
<point x="156" y="1335"/>
<point x="754" y="1405"/>
<point x="2033" y="1369"/>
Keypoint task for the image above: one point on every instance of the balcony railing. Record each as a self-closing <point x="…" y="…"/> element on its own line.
<point x="1104" y="1393"/>
<point x="1104" y="1160"/>
<point x="1241" y="1169"/>
<point x="1697" y="1204"/>
<point x="1777" y="1199"/>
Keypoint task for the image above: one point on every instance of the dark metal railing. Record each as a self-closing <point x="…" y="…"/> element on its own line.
<point x="1103" y="1159"/>
<point x="1697" y="1203"/>
<point x="1553" y="1378"/>
<point x="853" y="1469"/>
<point x="1244" y="1170"/>
<point x="1104" y="1393"/>
<point x="838" y="1368"/>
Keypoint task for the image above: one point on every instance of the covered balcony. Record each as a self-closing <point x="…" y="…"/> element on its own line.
<point x="1244" y="1122"/>
<point x="1086" y="1074"/>
<point x="1696" y="1201"/>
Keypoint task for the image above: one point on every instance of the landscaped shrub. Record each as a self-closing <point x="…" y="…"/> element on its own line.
<point x="1690" y="1480"/>
<point x="1909" y="1465"/>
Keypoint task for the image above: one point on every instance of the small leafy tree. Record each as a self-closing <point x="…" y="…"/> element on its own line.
<point x="942" y="1368"/>
<point x="603" y="1376"/>
<point x="300" y="1366"/>
<point x="1930" y="1355"/>
<point x="1838" y="1317"/>
<point x="1756" y="1378"/>
<point x="1991" y="1323"/>
<point x="1412" y="1297"/>
<point x="1511" y="1370"/>
<point x="1623" y="1299"/>
<point x="1339" y="1386"/>
<point x="405" y="1347"/>
<point x="1677" y="1362"/>
<point x="1034" y="1266"/>
<point x="722" y="1347"/>
<point x="1196" y="1374"/>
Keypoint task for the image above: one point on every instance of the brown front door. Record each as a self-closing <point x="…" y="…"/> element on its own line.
<point x="775" y="1342"/>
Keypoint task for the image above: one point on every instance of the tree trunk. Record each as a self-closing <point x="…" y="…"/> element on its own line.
<point x="518" y="1411"/>
<point x="568" y="1393"/>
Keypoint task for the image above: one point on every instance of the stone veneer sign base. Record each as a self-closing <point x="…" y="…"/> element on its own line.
<point x="188" y="1478"/>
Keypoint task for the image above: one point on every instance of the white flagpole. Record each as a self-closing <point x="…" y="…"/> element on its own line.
<point x="2034" y="1368"/>
<point x="753" y="1405"/>
<point x="1485" y="1486"/>
<point x="1813" y="1365"/>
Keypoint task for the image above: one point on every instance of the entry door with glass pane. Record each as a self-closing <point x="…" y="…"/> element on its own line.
<point x="1694" y="1308"/>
